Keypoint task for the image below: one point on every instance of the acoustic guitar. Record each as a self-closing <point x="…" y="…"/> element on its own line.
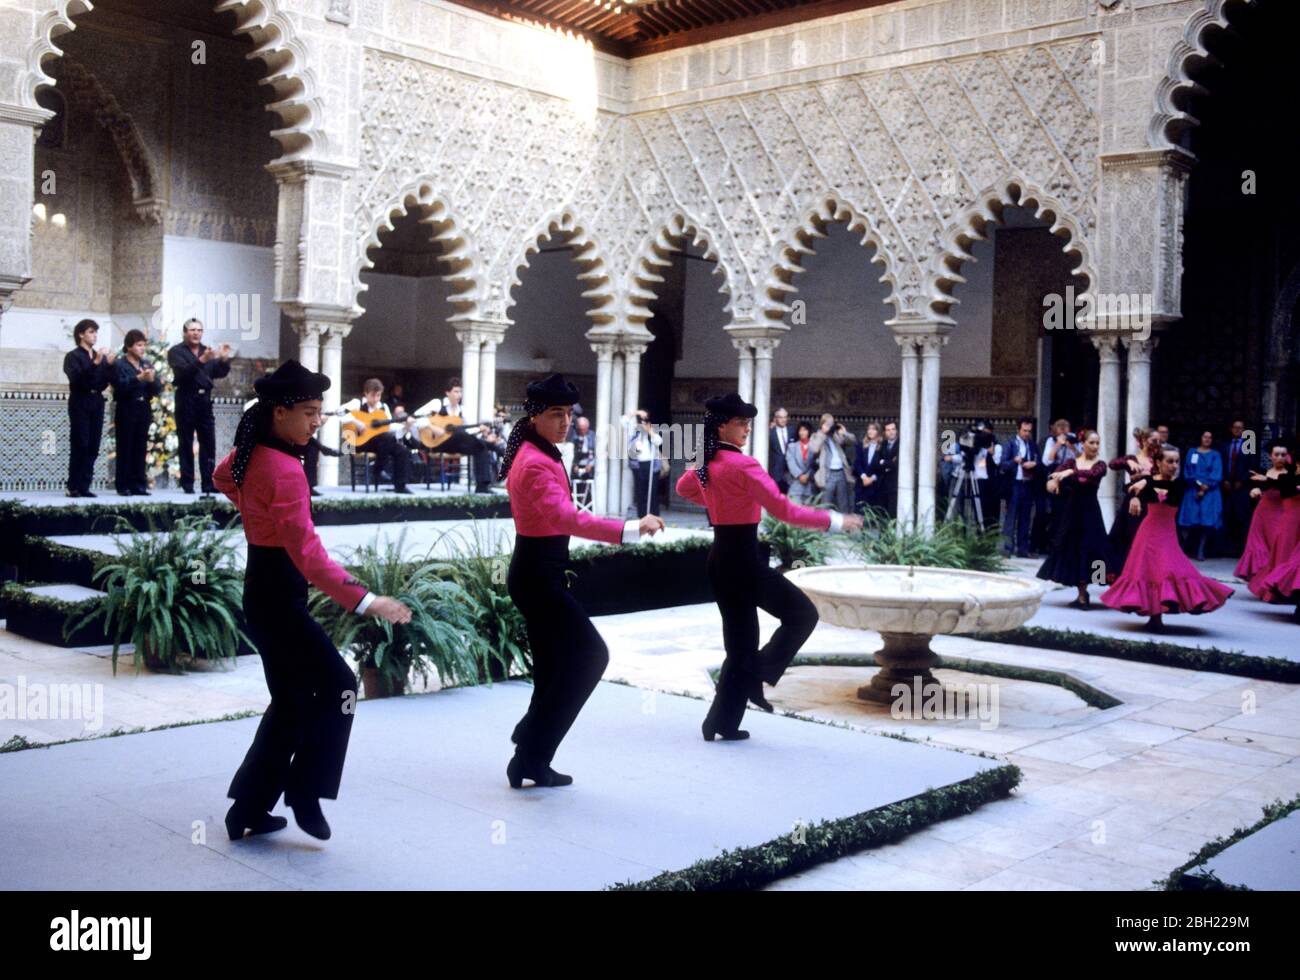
<point x="448" y="422"/>
<point x="373" y="423"/>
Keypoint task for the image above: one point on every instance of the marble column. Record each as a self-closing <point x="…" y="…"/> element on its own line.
<point x="1138" y="410"/>
<point x="487" y="380"/>
<point x="308" y="344"/>
<point x="331" y="365"/>
<point x="931" y="346"/>
<point x="471" y="340"/>
<point x="631" y="402"/>
<point x="907" y="434"/>
<point x="604" y="352"/>
<point x="1108" y="428"/>
<point x="745" y="374"/>
<point x="762" y="400"/>
<point x="618" y="474"/>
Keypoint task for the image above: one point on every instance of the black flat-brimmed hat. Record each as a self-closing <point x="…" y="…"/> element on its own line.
<point x="291" y="381"/>
<point x="731" y="406"/>
<point x="552" y="391"/>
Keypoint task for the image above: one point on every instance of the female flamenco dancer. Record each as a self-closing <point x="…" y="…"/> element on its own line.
<point x="1127" y="520"/>
<point x="1275" y="526"/>
<point x="1080" y="541"/>
<point x="734" y="486"/>
<point x="303" y="738"/>
<point x="1281" y="583"/>
<point x="1158" y="578"/>
<point x="568" y="654"/>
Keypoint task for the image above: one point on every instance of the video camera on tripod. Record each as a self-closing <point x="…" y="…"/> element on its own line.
<point x="978" y="436"/>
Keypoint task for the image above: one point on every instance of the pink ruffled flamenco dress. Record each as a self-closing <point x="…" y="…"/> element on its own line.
<point x="1158" y="579"/>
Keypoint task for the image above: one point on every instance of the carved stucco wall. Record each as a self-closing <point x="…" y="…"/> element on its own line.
<point x="915" y="153"/>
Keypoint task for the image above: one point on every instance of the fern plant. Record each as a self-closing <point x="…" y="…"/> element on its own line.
<point x="439" y="636"/>
<point x="174" y="594"/>
<point x="795" y="547"/>
<point x="952" y="544"/>
<point x="479" y="569"/>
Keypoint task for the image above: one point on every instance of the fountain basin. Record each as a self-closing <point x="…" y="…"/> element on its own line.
<point x="907" y="605"/>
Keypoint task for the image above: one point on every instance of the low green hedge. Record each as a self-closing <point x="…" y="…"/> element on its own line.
<point x="18" y="519"/>
<point x="754" y="867"/>
<point x="42" y="618"/>
<point x="1209" y="659"/>
<point x="1182" y="878"/>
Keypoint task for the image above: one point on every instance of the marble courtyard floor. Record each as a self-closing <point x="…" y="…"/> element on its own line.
<point x="1111" y="799"/>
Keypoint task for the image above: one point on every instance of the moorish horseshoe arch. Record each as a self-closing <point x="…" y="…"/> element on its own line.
<point x="142" y="173"/>
<point x="466" y="270"/>
<point x="784" y="265"/>
<point x="656" y="252"/>
<point x="1171" y="122"/>
<point x="275" y="43"/>
<point x="970" y="228"/>
<point x="592" y="267"/>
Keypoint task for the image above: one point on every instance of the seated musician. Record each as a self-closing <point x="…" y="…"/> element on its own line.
<point x="385" y="441"/>
<point x="460" y="437"/>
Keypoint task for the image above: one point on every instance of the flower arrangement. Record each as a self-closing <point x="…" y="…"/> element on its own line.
<point x="160" y="454"/>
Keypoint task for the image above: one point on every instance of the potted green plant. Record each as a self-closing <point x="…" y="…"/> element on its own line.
<point x="479" y="568"/>
<point x="795" y="547"/>
<point x="439" y="637"/>
<point x="176" y="595"/>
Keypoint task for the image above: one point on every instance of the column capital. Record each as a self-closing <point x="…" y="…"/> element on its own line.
<point x="749" y="331"/>
<point x="1139" y="347"/>
<point x="34" y="116"/>
<point x="931" y="344"/>
<point x="604" y="349"/>
<point x="764" y="346"/>
<point x="296" y="171"/>
<point x="486" y="331"/>
<point x="1107" y="345"/>
<point x="1174" y="158"/>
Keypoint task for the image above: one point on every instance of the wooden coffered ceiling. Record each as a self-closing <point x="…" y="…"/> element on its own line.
<point x="630" y="28"/>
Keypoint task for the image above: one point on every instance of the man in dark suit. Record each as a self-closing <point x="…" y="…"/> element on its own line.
<point x="1019" y="461"/>
<point x="1238" y="463"/>
<point x="584" y="458"/>
<point x="888" y="493"/>
<point x="195" y="368"/>
<point x="779" y="437"/>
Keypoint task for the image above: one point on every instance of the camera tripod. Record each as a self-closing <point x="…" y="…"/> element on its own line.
<point x="965" y="490"/>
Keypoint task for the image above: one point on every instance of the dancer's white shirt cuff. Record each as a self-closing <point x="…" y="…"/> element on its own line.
<point x="631" y="532"/>
<point x="365" y="602"/>
<point x="837" y="521"/>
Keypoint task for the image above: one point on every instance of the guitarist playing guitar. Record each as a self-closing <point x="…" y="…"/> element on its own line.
<point x="367" y="427"/>
<point x="445" y="430"/>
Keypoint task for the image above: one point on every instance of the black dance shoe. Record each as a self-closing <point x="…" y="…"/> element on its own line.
<point x="87" y="493"/>
<point x="709" y="732"/>
<point x="239" y="820"/>
<point x="308" y="817"/>
<point x="756" y="697"/>
<point x="403" y="490"/>
<point x="520" y="769"/>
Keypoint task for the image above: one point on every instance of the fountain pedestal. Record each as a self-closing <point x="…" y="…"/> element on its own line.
<point x="907" y="605"/>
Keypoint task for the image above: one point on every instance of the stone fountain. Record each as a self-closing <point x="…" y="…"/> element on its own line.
<point x="907" y="605"/>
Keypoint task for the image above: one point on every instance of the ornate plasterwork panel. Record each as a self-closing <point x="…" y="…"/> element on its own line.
<point x="911" y="156"/>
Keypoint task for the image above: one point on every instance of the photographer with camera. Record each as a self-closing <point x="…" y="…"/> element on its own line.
<point x="646" y="459"/>
<point x="832" y="444"/>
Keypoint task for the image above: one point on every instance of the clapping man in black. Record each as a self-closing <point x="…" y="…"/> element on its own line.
<point x="195" y="369"/>
<point x="89" y="372"/>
